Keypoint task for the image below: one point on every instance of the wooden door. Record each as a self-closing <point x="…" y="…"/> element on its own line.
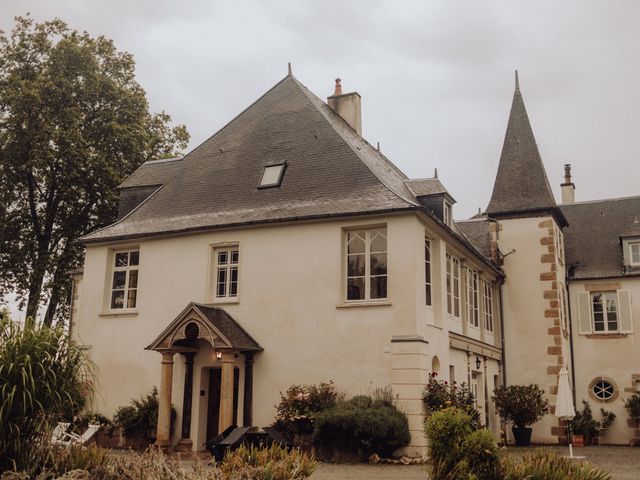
<point x="213" y="404"/>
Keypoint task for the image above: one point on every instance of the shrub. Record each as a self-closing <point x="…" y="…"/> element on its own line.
<point x="298" y="406"/>
<point x="584" y="424"/>
<point x="44" y="378"/>
<point x="521" y="404"/>
<point x="632" y="404"/>
<point x="274" y="463"/>
<point x="141" y="417"/>
<point x="362" y="426"/>
<point x="439" y="395"/>
<point x="549" y="466"/>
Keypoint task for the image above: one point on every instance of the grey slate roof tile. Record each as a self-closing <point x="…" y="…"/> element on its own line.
<point x="521" y="182"/>
<point x="592" y="240"/>
<point x="330" y="171"/>
<point x="476" y="230"/>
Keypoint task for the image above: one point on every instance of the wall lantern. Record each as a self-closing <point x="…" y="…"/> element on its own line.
<point x="218" y="354"/>
<point x="478" y="363"/>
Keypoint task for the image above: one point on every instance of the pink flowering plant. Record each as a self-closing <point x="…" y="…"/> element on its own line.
<point x="439" y="394"/>
<point x="299" y="405"/>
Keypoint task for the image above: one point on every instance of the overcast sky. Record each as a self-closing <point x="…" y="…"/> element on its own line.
<point x="436" y="77"/>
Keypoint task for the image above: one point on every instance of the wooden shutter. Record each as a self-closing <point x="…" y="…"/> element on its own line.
<point x="584" y="312"/>
<point x="624" y="307"/>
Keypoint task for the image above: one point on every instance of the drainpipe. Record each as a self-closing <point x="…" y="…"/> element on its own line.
<point x="573" y="364"/>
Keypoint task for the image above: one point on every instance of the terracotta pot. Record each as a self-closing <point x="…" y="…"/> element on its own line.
<point x="578" y="441"/>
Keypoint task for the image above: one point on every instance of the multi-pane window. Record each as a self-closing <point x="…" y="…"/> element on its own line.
<point x="605" y="311"/>
<point x="453" y="286"/>
<point x="487" y="296"/>
<point x="448" y="213"/>
<point x="634" y="251"/>
<point x="473" y="304"/>
<point x="367" y="264"/>
<point x="227" y="272"/>
<point x="124" y="285"/>
<point x="427" y="270"/>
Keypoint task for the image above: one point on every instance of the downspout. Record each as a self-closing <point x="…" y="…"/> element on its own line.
<point x="573" y="364"/>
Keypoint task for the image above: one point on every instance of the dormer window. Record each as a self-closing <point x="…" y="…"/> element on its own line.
<point x="634" y="254"/>
<point x="448" y="214"/>
<point x="272" y="176"/>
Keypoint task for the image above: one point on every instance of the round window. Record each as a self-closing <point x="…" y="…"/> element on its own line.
<point x="603" y="389"/>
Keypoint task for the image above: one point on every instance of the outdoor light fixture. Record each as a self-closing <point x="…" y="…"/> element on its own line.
<point x="478" y="363"/>
<point x="218" y="354"/>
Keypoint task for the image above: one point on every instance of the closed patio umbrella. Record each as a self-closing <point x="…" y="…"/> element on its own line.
<point x="564" y="402"/>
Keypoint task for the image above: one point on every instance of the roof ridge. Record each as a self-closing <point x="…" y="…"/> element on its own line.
<point x="313" y="98"/>
<point x="601" y="200"/>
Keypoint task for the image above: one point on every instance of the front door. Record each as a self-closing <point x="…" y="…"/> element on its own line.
<point x="213" y="405"/>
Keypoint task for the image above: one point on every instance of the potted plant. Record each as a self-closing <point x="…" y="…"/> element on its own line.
<point x="632" y="404"/>
<point x="583" y="426"/>
<point x="603" y="426"/>
<point x="523" y="405"/>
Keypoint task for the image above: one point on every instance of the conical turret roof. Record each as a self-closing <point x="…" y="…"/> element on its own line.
<point x="521" y="182"/>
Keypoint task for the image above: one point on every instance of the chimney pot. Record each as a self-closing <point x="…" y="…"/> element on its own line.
<point x="568" y="187"/>
<point x="338" y="87"/>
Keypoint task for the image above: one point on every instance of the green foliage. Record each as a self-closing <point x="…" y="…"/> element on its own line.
<point x="362" y="426"/>
<point x="75" y="123"/>
<point x="299" y="405"/>
<point x="632" y="404"/>
<point x="584" y="424"/>
<point x="141" y="417"/>
<point x="79" y="463"/>
<point x="521" y="404"/>
<point x="44" y="378"/>
<point x="274" y="463"/>
<point x="446" y="431"/>
<point x="544" y="465"/>
<point x="439" y="394"/>
<point x="81" y="422"/>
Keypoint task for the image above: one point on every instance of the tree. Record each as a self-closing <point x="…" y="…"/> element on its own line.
<point x="73" y="124"/>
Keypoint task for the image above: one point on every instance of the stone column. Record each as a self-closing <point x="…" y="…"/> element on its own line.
<point x="186" y="443"/>
<point x="226" y="392"/>
<point x="163" y="433"/>
<point x="247" y="406"/>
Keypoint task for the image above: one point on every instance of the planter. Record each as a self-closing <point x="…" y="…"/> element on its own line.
<point x="578" y="441"/>
<point x="522" y="436"/>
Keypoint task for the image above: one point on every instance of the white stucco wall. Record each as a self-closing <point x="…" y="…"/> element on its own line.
<point x="614" y="357"/>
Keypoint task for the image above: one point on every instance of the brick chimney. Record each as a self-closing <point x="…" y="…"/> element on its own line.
<point x="568" y="187"/>
<point x="347" y="105"/>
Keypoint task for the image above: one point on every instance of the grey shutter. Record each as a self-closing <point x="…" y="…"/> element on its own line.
<point x="584" y="312"/>
<point x="624" y="307"/>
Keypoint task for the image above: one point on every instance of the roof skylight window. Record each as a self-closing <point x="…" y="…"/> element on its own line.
<point x="272" y="176"/>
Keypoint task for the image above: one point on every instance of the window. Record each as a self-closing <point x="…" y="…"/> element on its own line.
<point x="453" y="286"/>
<point x="448" y="213"/>
<point x="487" y="305"/>
<point x="634" y="253"/>
<point x="124" y="285"/>
<point x="226" y="280"/>
<point x="367" y="264"/>
<point x="559" y="245"/>
<point x="605" y="311"/>
<point x="427" y="270"/>
<point x="473" y="310"/>
<point x="603" y="389"/>
<point x="272" y="176"/>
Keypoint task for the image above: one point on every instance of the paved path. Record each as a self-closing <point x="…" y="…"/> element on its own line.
<point x="329" y="471"/>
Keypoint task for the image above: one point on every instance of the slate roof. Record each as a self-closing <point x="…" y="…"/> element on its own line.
<point x="476" y="230"/>
<point x="521" y="183"/>
<point x="231" y="329"/>
<point x="331" y="171"/>
<point x="592" y="240"/>
<point x="426" y="186"/>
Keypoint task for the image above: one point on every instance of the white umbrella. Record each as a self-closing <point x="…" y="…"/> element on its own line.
<point x="564" y="402"/>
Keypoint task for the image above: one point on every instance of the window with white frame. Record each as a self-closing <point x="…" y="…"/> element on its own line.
<point x="559" y="245"/>
<point x="634" y="253"/>
<point x="226" y="272"/>
<point x="604" y="306"/>
<point x="473" y="304"/>
<point x="448" y="213"/>
<point x="366" y="264"/>
<point x="487" y="305"/>
<point x="453" y="286"/>
<point x="564" y="314"/>
<point x="427" y="271"/>
<point x="124" y="284"/>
